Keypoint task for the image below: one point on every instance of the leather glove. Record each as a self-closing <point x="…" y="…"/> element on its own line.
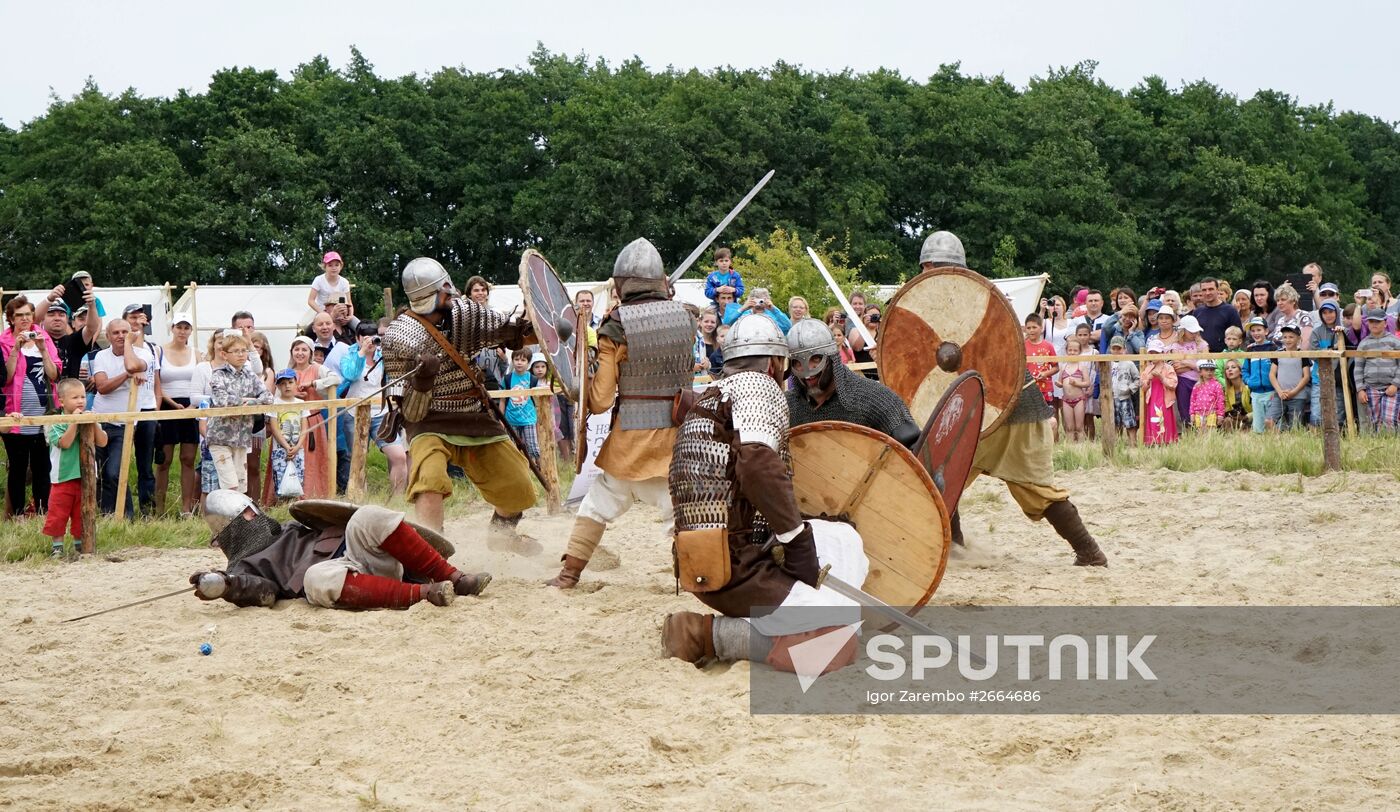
<point x="799" y="557"/>
<point x="427" y="372"/>
<point x="209" y="586"/>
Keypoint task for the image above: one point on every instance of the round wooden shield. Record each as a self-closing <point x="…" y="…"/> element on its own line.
<point x="550" y="309"/>
<point x="957" y="306"/>
<point x="949" y="441"/>
<point x="859" y="474"/>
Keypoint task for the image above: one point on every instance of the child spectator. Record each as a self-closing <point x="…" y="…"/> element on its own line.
<point x="520" y="409"/>
<point x="843" y="346"/>
<point x="1160" y="426"/>
<point x="1257" y="375"/>
<point x="724" y="279"/>
<point x="1289" y="377"/>
<point x="66" y="491"/>
<point x="1188" y="341"/>
<point x="231" y="438"/>
<point x="1238" y="403"/>
<point x="1207" y="398"/>
<point x="330" y="286"/>
<point x="1126" y="384"/>
<point x="1234" y="342"/>
<point x="288" y="427"/>
<point x="1326" y="335"/>
<point x="1377" y="379"/>
<point x="1089" y="346"/>
<point x="1075" y="383"/>
<point x="717" y="354"/>
<point x="1043" y="373"/>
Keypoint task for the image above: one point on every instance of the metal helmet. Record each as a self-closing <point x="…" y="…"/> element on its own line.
<point x="222" y="505"/>
<point x="809" y="337"/>
<point x="639" y="260"/>
<point x="754" y="334"/>
<point x="422" y="278"/>
<point x="943" y="248"/>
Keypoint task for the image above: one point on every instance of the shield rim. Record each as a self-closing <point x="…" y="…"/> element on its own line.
<point x="998" y="296"/>
<point x="582" y="373"/>
<point x="298" y="511"/>
<point x="911" y="462"/>
<point x="570" y="346"/>
<point x="933" y="418"/>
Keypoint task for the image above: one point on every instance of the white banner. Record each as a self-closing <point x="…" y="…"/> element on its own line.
<point x="598" y="427"/>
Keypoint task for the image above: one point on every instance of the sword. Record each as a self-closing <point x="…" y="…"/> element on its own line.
<point x="841" y="299"/>
<point x="869" y="601"/>
<point x="133" y="603"/>
<point x="394" y="382"/>
<point x="728" y="218"/>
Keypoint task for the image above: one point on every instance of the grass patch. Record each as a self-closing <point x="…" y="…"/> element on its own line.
<point x="1298" y="453"/>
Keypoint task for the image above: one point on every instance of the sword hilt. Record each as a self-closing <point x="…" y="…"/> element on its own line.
<point x="821" y="576"/>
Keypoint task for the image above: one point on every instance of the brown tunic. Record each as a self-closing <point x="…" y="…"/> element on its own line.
<point x="631" y="454"/>
<point x="287" y="559"/>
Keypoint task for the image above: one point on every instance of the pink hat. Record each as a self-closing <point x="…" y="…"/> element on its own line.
<point x="330" y="255"/>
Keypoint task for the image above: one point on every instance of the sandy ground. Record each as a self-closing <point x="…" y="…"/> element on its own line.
<point x="532" y="698"/>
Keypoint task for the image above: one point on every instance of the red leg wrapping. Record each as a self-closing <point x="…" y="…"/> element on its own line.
<point x="780" y="658"/>
<point x="416" y="555"/>
<point x="377" y="592"/>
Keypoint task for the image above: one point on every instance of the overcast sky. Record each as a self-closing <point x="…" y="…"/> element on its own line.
<point x="1343" y="52"/>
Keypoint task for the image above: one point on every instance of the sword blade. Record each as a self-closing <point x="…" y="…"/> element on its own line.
<point x="133" y="603"/>
<point x="728" y="218"/>
<point x="841" y="299"/>
<point x="869" y="601"/>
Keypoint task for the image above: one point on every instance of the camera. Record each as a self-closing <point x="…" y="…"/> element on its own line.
<point x="874" y="318"/>
<point x="377" y="341"/>
<point x="31" y="335"/>
<point x="342" y="300"/>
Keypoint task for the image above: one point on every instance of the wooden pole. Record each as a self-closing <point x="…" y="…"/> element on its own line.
<point x="87" y="473"/>
<point x="1346" y="399"/>
<point x="1327" y="400"/>
<point x="331" y="425"/>
<point x="359" y="451"/>
<point x="549" y="452"/>
<point x="128" y="443"/>
<point x="194" y="314"/>
<point x="1106" y="415"/>
<point x="388" y="303"/>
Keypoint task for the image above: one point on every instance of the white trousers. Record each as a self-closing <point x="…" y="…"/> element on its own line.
<point x="609" y="497"/>
<point x="839" y="545"/>
<point x="365" y="531"/>
<point x="231" y="464"/>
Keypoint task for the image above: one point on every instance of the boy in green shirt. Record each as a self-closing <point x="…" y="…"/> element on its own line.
<point x="66" y="494"/>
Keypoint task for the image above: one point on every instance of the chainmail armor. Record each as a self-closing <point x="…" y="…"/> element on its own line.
<point x="857" y="400"/>
<point x="470" y="327"/>
<point x="1030" y="406"/>
<point x="243" y="537"/>
<point x="660" y="339"/>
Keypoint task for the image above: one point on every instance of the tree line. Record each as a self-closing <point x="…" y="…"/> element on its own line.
<point x="249" y="181"/>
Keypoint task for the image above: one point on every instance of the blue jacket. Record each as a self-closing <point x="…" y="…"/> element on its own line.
<point x="1255" y="371"/>
<point x="734" y="311"/>
<point x="717" y="279"/>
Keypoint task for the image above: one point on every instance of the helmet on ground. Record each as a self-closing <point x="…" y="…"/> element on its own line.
<point x="222" y="505"/>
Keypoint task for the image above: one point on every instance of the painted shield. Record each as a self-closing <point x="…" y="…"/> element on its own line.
<point x="841" y="470"/>
<point x="949" y="440"/>
<point x="956" y="317"/>
<point x="550" y="309"/>
<point x="322" y="513"/>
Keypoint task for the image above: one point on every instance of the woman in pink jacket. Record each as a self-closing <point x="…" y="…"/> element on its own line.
<point x="30" y="369"/>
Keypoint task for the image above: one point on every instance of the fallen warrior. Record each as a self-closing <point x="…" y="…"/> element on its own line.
<point x="334" y="554"/>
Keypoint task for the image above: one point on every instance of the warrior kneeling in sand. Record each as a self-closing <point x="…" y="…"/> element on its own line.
<point x="334" y="554"/>
<point x="731" y="486"/>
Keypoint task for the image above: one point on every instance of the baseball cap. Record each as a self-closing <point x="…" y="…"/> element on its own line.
<point x="1205" y="363"/>
<point x="1117" y="341"/>
<point x="1375" y="314"/>
<point x="58" y="305"/>
<point x="1329" y="306"/>
<point x="81" y="275"/>
<point x="1165" y="310"/>
<point x="1190" y="325"/>
<point x="1329" y="287"/>
<point x="1290" y="328"/>
<point x="1257" y="321"/>
<point x="132" y="308"/>
<point x="287" y="374"/>
<point x="1154" y="304"/>
<point x="181" y="318"/>
<point x="302" y="340"/>
<point x="331" y="255"/>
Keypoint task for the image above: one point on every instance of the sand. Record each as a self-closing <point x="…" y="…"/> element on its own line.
<point x="531" y="698"/>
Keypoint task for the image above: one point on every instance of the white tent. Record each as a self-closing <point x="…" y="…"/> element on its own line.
<point x="278" y="312"/>
<point x="114" y="300"/>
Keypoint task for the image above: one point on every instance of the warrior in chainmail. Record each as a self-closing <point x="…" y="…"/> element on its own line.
<point x="1021" y="450"/>
<point x="731" y="483"/>
<point x="442" y="407"/>
<point x="644" y="363"/>
<point x="333" y="554"/>
<point x="826" y="390"/>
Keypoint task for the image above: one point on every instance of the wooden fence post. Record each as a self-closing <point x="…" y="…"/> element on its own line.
<point x="1327" y="401"/>
<point x="388" y="303"/>
<point x="359" y="452"/>
<point x="128" y="443"/>
<point x="1346" y="398"/>
<point x="87" y="473"/>
<point x="332" y="425"/>
<point x="549" y="452"/>
<point x="1107" y="418"/>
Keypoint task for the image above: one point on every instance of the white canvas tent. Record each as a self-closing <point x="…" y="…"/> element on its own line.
<point x="114" y="300"/>
<point x="278" y="311"/>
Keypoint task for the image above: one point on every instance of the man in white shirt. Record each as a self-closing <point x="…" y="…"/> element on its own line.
<point x="128" y="361"/>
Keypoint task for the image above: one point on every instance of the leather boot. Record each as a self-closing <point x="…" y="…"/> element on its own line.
<point x="689" y="636"/>
<point x="1064" y="517"/>
<point x="955" y="523"/>
<point x="568" y="574"/>
<point x="502" y="535"/>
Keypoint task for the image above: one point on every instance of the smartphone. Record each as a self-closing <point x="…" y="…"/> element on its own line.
<point x="1365" y="293"/>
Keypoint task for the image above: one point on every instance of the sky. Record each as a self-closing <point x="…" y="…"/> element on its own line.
<point x="1342" y="52"/>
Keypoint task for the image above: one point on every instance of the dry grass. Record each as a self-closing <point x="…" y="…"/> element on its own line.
<point x="1298" y="452"/>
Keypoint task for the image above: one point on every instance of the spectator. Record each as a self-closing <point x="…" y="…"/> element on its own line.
<point x="1377" y="379"/>
<point x="200" y="395"/>
<point x="1244" y="306"/>
<point x="1093" y="315"/>
<point x="1288" y="314"/>
<point x="1056" y="321"/>
<point x="1150" y="311"/>
<point x="1122" y="297"/>
<point x="1172" y="299"/>
<point x="1189" y="342"/>
<point x="1264" y="304"/>
<point x="1234" y="342"/>
<point x="1258" y="376"/>
<point x="1238" y="402"/>
<point x="323" y="337"/>
<point x="1091" y="403"/>
<point x="345" y="324"/>
<point x="1125" y="325"/>
<point x="724" y="279"/>
<point x="1076" y="386"/>
<point x="798" y="309"/>
<point x="288" y="429"/>
<point x="1380" y="283"/>
<point x="314" y="382"/>
<point x="126" y="362"/>
<point x="262" y="351"/>
<point x="706" y="340"/>
<point x="760" y="301"/>
<point x="1126" y="384"/>
<point x="231" y="438"/>
<point x="1327" y="335"/>
<point x="1207" y="397"/>
<point x="1326" y="292"/>
<point x="65" y="479"/>
<point x="31" y="362"/>
<point x="520" y="409"/>
<point x="72" y="342"/>
<point x="1289" y="377"/>
<point x="725" y="307"/>
<point x="858" y="302"/>
<point x="330" y="287"/>
<point x="835" y="316"/>
<point x="362" y="374"/>
<point x="1042" y="372"/>
<point x="1193" y="298"/>
<point x="479" y="291"/>
<point x="243" y="322"/>
<point x="843" y="347"/>
<point x="179" y="361"/>
<point x="1160" y="425"/>
<point x="583" y="303"/>
<point x="717" y="357"/>
<point x="1214" y="314"/>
